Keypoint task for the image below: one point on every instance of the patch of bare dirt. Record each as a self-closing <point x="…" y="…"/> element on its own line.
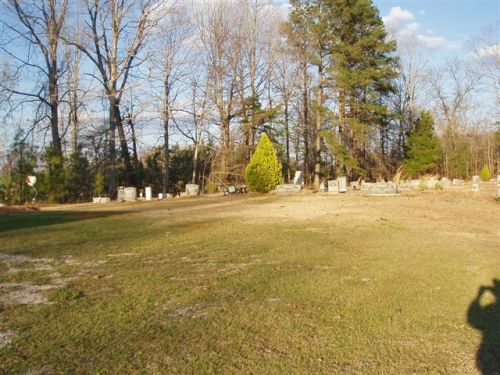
<point x="19" y="208"/>
<point x="6" y="337"/>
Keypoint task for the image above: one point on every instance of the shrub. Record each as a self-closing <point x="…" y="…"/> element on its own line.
<point x="263" y="173"/>
<point x="99" y="185"/>
<point x="485" y="174"/>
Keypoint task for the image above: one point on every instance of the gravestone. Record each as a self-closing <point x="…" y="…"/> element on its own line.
<point x="431" y="183"/>
<point x="380" y="188"/>
<point x="161" y="196"/>
<point x="404" y="185"/>
<point x="294" y="188"/>
<point x="498" y="179"/>
<point x="297" y="179"/>
<point x="475" y="183"/>
<point x="120" y="196"/>
<point x="415" y="184"/>
<point x="192" y="189"/>
<point x="342" y="182"/>
<point x="333" y="186"/>
<point x="130" y="194"/>
<point x="149" y="193"/>
<point x="445" y="181"/>
<point x="99" y="200"/>
<point x="322" y="187"/>
<point x="498" y="192"/>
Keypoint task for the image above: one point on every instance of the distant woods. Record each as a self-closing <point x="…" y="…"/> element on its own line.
<point x="96" y="94"/>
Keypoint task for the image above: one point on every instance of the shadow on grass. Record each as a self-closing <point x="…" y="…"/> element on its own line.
<point x="22" y="220"/>
<point x="486" y="318"/>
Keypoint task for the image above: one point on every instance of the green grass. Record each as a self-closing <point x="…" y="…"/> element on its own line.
<point x="229" y="296"/>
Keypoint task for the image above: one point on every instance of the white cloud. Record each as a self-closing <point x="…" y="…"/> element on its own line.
<point x="401" y="25"/>
<point x="490" y="51"/>
<point x="397" y="16"/>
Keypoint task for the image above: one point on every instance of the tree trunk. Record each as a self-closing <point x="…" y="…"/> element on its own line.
<point x="117" y="119"/>
<point x="54" y="109"/>
<point x="305" y="119"/>
<point x="319" y="138"/>
<point x="287" y="141"/>
<point x="166" y="151"/>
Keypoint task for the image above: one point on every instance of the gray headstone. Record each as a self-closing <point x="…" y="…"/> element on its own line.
<point x="130" y="194"/>
<point x="342" y="181"/>
<point x="333" y="186"/>
<point x="380" y="188"/>
<point x="120" y="194"/>
<point x="288" y="189"/>
<point x="415" y="184"/>
<point x="431" y="183"/>
<point x="192" y="189"/>
<point x="297" y="179"/>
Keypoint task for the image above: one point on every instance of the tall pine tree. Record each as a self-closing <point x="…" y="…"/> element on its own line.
<point x="424" y="150"/>
<point x="362" y="68"/>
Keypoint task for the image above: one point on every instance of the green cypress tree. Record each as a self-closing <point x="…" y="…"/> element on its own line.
<point x="263" y="173"/>
<point x="424" y="150"/>
<point x="485" y="174"/>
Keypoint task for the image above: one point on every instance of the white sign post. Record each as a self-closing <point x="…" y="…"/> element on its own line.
<point x="31" y="181"/>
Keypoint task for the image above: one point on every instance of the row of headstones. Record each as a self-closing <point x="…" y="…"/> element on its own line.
<point x="129" y="194"/>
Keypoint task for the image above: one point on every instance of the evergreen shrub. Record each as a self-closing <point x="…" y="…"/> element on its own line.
<point x="263" y="173"/>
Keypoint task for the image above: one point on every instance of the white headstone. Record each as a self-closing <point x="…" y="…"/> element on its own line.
<point x="498" y="179"/>
<point x="333" y="186"/>
<point x="130" y="194"/>
<point x="342" y="181"/>
<point x="475" y="183"/>
<point x="297" y="179"/>
<point x="161" y="196"/>
<point x="192" y="189"/>
<point x="149" y="193"/>
<point x="120" y="194"/>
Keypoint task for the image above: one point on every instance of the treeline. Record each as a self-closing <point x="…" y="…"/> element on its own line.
<point x="88" y="86"/>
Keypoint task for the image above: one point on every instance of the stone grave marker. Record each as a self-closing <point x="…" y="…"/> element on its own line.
<point x="297" y="179"/>
<point x="415" y="184"/>
<point x="296" y="187"/>
<point x="498" y="179"/>
<point x="120" y="195"/>
<point x="149" y="193"/>
<point x="192" y="189"/>
<point x="130" y="194"/>
<point x="342" y="182"/>
<point x="475" y="183"/>
<point x="333" y="186"/>
<point x="380" y="188"/>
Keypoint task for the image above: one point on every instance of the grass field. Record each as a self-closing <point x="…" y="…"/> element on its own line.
<point x="307" y="284"/>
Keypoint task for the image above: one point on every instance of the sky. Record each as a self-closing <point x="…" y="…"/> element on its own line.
<point x="444" y="27"/>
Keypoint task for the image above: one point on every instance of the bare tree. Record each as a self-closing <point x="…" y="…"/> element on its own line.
<point x="40" y="24"/>
<point x="219" y="31"/>
<point x="116" y="32"/>
<point x="451" y="88"/>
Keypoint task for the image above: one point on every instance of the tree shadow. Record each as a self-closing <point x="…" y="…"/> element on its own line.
<point x="486" y="318"/>
<point x="33" y="219"/>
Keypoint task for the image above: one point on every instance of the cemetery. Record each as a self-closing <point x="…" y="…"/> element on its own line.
<point x="249" y="187"/>
<point x="286" y="282"/>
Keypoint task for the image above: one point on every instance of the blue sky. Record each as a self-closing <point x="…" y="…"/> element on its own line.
<point x="445" y="26"/>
